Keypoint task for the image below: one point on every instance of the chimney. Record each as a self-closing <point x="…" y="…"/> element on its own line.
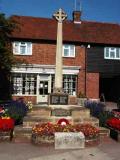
<point x="77" y="16"/>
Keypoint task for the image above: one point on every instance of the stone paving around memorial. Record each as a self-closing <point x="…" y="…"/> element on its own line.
<point x="109" y="150"/>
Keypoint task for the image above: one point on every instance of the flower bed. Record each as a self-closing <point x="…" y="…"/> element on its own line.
<point x="6" y="124"/>
<point x="45" y="132"/>
<point x="6" y="128"/>
<point x="114" y="123"/>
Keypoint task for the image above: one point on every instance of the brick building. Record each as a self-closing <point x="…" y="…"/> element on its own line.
<point x="89" y="50"/>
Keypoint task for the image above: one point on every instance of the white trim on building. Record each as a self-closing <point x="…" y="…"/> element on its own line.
<point x="45" y="69"/>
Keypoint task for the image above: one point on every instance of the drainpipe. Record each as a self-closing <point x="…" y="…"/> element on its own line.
<point x="85" y="70"/>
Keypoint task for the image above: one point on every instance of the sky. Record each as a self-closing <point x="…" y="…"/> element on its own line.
<point x="92" y="10"/>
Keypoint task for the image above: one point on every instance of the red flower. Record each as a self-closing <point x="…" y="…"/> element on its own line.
<point x="6" y="124"/>
<point x="114" y="123"/>
<point x="48" y="129"/>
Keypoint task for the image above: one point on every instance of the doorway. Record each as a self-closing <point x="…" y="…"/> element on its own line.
<point x="110" y="87"/>
<point x="44" y="86"/>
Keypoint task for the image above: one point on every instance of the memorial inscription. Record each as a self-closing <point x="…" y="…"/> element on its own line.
<point x="69" y="140"/>
<point x="61" y="112"/>
<point x="58" y="99"/>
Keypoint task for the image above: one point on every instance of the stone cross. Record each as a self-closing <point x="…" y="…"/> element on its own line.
<point x="60" y="16"/>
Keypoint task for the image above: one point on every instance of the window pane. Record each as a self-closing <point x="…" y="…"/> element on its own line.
<point x="66" y="52"/>
<point x="107" y="52"/>
<point x="118" y="53"/>
<point x="66" y="46"/>
<point x="22" y="49"/>
<point x="69" y="50"/>
<point x="72" y="51"/>
<point x="29" y="47"/>
<point x="24" y="84"/>
<point x="16" y="47"/>
<point x="112" y="54"/>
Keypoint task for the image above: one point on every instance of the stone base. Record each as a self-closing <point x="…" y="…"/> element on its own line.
<point x="38" y="140"/>
<point x="6" y="136"/>
<point x="22" y="134"/>
<point x="104" y="134"/>
<point x="92" y="142"/>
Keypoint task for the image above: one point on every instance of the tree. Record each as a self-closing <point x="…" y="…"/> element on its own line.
<point x="6" y="56"/>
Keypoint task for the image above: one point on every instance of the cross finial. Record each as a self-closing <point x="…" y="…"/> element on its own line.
<point x="60" y="15"/>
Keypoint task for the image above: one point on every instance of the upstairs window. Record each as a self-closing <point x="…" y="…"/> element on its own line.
<point x="22" y="48"/>
<point x="112" y="53"/>
<point x="68" y="50"/>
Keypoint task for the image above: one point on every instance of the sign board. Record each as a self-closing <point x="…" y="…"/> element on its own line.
<point x="61" y="112"/>
<point x="58" y="99"/>
<point x="69" y="140"/>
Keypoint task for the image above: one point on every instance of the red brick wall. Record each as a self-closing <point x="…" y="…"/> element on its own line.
<point x="44" y="54"/>
<point x="92" y="85"/>
<point x="26" y="98"/>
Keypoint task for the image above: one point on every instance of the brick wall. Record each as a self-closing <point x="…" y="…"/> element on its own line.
<point x="26" y="98"/>
<point x="44" y="54"/>
<point x="92" y="85"/>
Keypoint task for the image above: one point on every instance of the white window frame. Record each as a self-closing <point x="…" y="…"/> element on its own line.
<point x="17" y="51"/>
<point x="67" y="46"/>
<point x="111" y="50"/>
<point x="24" y="84"/>
<point x="69" y="84"/>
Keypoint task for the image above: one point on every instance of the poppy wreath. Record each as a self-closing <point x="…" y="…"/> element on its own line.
<point x="63" y="121"/>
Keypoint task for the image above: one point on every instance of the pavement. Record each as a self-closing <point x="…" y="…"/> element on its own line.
<point x="109" y="150"/>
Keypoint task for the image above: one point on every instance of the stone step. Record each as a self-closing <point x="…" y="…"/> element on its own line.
<point x="22" y="134"/>
<point x="87" y="120"/>
<point x="6" y="135"/>
<point x="104" y="133"/>
<point x="30" y="121"/>
<point x="71" y="110"/>
<point x="43" y="111"/>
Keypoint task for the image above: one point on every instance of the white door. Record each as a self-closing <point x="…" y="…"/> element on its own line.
<point x="43" y="88"/>
<point x="43" y="91"/>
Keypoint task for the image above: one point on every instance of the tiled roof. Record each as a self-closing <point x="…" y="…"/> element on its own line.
<point x="87" y="32"/>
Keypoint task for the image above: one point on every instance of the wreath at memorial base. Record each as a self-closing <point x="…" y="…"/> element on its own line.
<point x="63" y="121"/>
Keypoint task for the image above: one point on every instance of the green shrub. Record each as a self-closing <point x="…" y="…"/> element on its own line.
<point x="104" y="116"/>
<point x="16" y="110"/>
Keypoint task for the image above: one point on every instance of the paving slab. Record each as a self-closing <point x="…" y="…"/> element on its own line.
<point x="109" y="150"/>
<point x="85" y="154"/>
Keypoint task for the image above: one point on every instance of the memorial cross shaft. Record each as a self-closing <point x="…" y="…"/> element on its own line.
<point x="60" y="16"/>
